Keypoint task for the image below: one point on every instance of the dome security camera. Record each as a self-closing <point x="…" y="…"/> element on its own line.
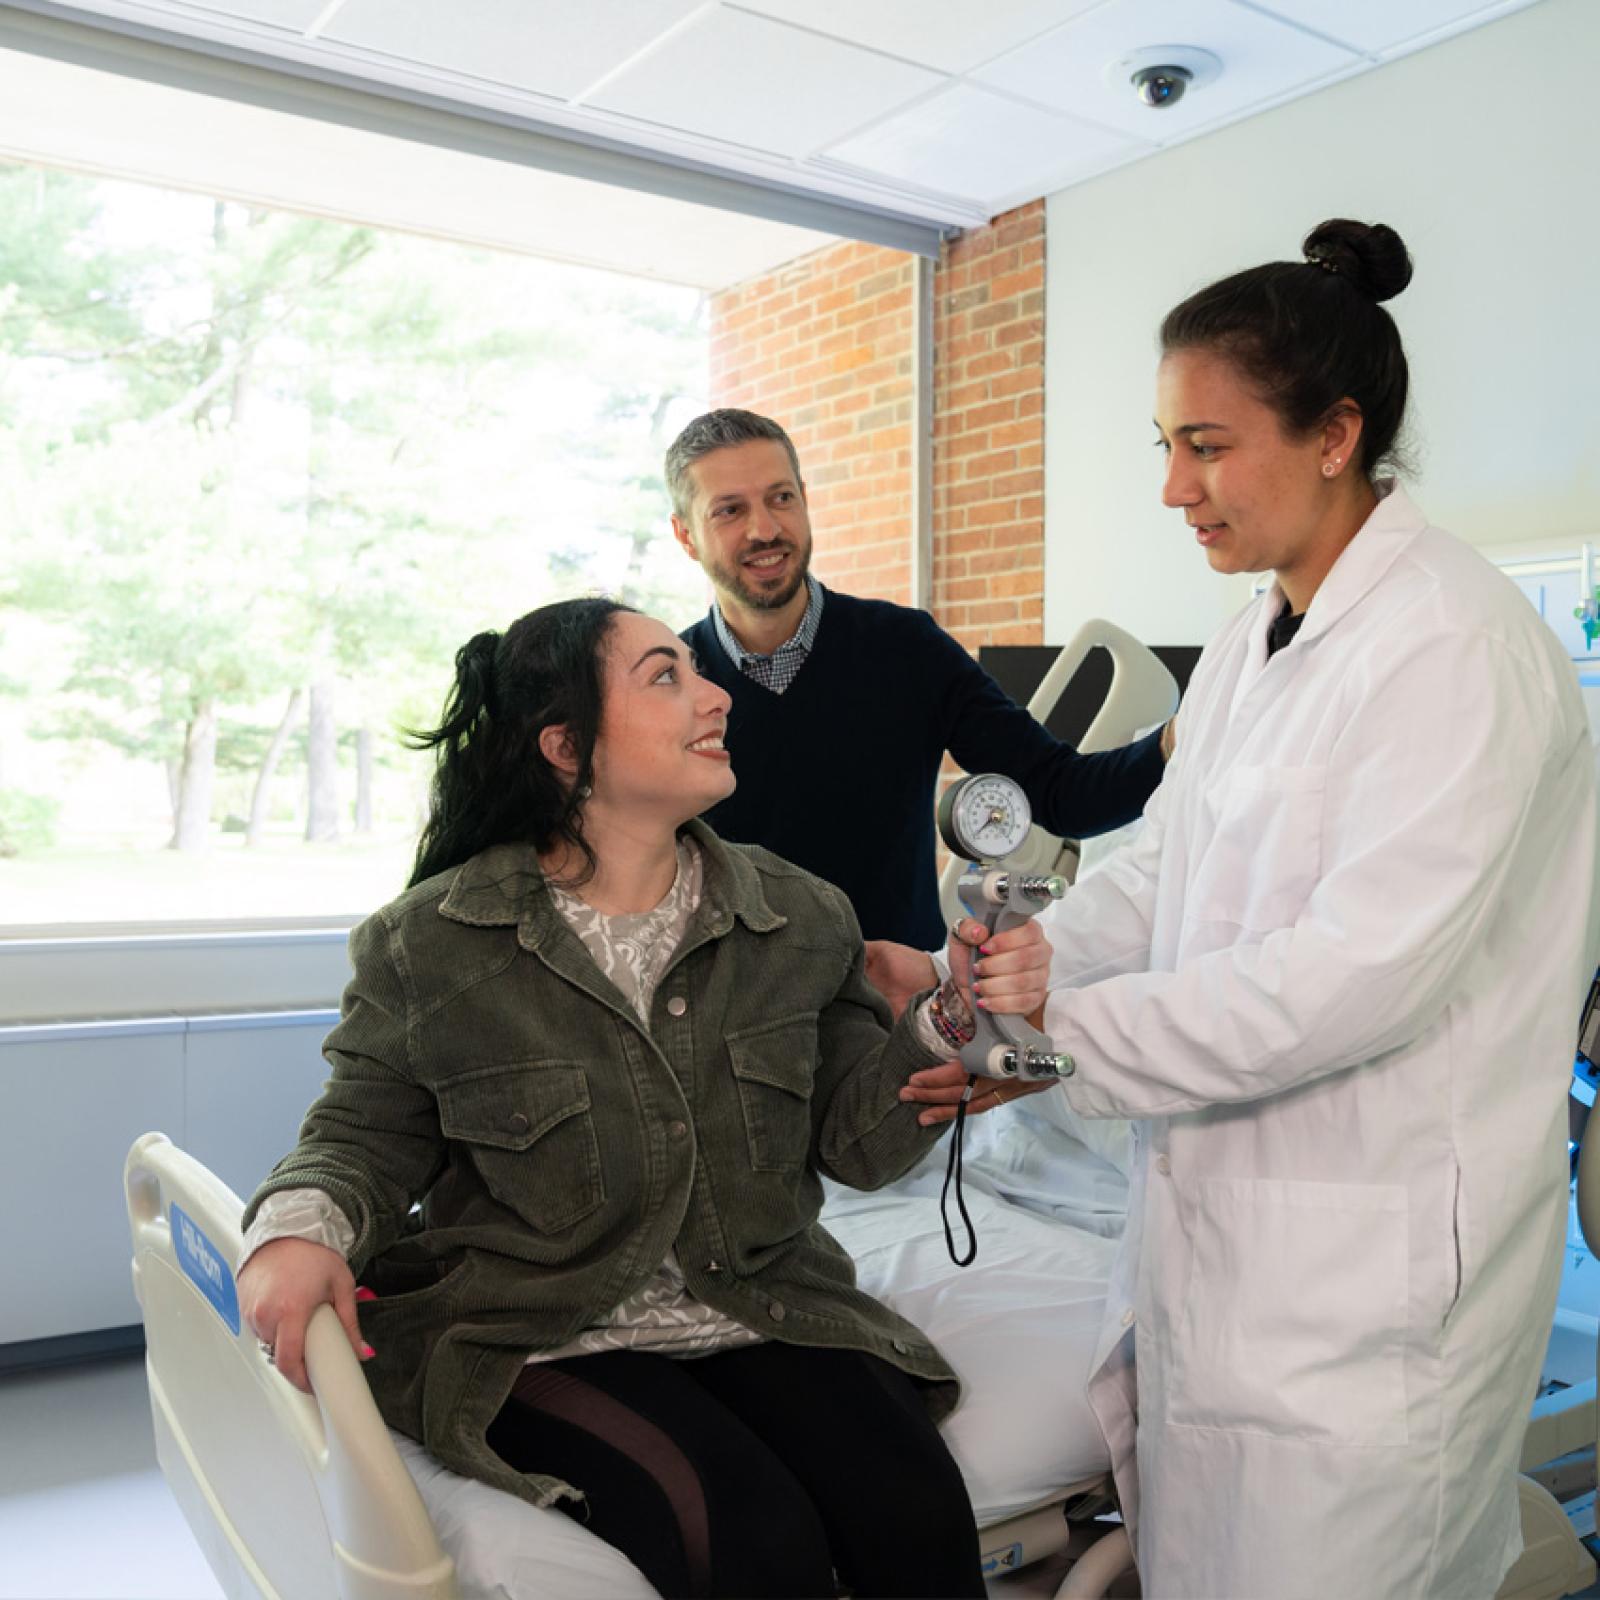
<point x="1161" y="86"/>
<point x="1162" y="73"/>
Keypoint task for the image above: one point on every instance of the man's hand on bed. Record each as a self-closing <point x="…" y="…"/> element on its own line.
<point x="280" y="1287"/>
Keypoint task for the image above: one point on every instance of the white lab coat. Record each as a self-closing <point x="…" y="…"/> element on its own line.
<point x="1337" y="981"/>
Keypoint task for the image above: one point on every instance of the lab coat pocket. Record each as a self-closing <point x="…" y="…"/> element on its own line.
<point x="776" y="1067"/>
<point x="1257" y="865"/>
<point x="1296" y="1315"/>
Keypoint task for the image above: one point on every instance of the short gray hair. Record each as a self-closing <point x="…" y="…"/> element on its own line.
<point x="716" y="430"/>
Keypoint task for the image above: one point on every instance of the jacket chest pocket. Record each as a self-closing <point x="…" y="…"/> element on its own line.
<point x="775" y="1066"/>
<point x="529" y="1132"/>
<point x="1258" y="849"/>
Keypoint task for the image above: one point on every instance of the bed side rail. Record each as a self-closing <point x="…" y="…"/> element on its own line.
<point x="292" y="1497"/>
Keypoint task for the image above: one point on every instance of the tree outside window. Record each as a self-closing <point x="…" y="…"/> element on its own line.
<point x="260" y="476"/>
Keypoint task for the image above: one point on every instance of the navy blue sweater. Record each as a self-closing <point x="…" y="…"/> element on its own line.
<point x="838" y="773"/>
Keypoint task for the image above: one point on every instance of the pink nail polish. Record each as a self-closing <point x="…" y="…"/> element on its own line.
<point x="367" y="1352"/>
<point x="983" y="1004"/>
<point x="364" y="1293"/>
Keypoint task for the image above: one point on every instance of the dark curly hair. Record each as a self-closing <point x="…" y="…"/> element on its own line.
<point x="492" y="784"/>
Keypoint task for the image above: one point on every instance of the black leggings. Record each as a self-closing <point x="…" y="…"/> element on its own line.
<point x="759" y="1471"/>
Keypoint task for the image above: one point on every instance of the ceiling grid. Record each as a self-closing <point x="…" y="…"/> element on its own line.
<point x="937" y="112"/>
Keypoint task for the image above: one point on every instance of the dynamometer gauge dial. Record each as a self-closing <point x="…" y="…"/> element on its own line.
<point x="984" y="817"/>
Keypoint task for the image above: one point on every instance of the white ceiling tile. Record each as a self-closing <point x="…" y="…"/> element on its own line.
<point x="1378" y="25"/>
<point x="750" y="81"/>
<point x="551" y="47"/>
<point x="125" y="127"/>
<point x="969" y="142"/>
<point x="951" y="35"/>
<point x="1262" y="58"/>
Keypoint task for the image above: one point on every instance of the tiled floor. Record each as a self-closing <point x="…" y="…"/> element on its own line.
<point x="84" y="1511"/>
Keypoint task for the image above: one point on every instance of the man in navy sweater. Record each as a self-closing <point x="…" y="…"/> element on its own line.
<point x="843" y="708"/>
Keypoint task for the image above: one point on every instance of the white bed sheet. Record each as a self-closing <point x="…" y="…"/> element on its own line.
<point x="1019" y="1327"/>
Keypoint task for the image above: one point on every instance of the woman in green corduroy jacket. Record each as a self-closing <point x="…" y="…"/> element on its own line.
<point x="608" y="1058"/>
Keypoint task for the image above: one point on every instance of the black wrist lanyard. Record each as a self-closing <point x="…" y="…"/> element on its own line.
<point x="952" y="1169"/>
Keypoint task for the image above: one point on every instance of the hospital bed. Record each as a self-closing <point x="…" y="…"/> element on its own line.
<point x="297" y="1497"/>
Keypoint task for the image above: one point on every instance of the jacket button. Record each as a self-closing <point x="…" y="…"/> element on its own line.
<point x="677" y="1005"/>
<point x="1164" y="1166"/>
<point x="776" y="1311"/>
<point x="901" y="1347"/>
<point x="518" y="1123"/>
<point x="677" y="1129"/>
<point x="1127" y="1318"/>
<point x="713" y="1267"/>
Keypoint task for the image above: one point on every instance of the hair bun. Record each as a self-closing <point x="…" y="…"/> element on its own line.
<point x="1368" y="256"/>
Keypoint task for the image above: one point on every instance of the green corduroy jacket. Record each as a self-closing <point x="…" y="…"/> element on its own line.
<point x="483" y="1065"/>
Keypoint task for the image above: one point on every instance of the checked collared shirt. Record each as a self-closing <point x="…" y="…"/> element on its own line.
<point x="778" y="670"/>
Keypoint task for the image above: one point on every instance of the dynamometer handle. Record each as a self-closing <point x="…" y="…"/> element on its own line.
<point x="1009" y="1046"/>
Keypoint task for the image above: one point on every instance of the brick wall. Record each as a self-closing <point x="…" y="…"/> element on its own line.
<point x="988" y="432"/>
<point x="824" y="345"/>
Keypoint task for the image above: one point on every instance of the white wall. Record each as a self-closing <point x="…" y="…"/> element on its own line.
<point x="1484" y="152"/>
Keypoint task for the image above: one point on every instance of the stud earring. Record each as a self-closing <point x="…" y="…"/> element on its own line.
<point x="1329" y="468"/>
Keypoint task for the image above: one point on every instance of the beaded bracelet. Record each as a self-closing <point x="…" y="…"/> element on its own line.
<point x="951" y="1016"/>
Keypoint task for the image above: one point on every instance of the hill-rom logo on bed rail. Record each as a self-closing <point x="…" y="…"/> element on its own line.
<point x="204" y="1266"/>
<point x="1006" y="1559"/>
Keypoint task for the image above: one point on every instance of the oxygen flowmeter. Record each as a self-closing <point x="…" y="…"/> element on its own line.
<point x="983" y="819"/>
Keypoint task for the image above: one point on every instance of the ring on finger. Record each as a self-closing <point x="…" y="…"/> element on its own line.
<point x="269" y="1351"/>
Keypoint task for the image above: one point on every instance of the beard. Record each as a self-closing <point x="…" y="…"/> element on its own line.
<point x="729" y="578"/>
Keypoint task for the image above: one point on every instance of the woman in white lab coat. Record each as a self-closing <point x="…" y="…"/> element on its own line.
<point x="1336" y="982"/>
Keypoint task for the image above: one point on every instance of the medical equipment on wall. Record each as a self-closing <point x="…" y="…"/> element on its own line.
<point x="1563" y="586"/>
<point x="1143" y="693"/>
<point x="985" y="818"/>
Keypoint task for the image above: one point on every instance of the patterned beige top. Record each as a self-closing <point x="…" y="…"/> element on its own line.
<point x="633" y="951"/>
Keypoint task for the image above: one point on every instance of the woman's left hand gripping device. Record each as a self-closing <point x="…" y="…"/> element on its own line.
<point x="984" y="818"/>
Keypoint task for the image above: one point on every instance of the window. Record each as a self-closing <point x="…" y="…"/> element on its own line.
<point x="261" y="474"/>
